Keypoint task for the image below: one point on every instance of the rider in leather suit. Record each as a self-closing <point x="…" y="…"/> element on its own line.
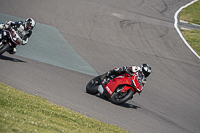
<point x="24" y="29"/>
<point x="144" y="69"/>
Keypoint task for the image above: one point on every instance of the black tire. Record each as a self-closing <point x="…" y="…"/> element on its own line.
<point x="92" y="86"/>
<point x="121" y="97"/>
<point x="4" y="48"/>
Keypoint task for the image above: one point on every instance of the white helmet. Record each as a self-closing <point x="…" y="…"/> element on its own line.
<point x="29" y="24"/>
<point x="146" y="69"/>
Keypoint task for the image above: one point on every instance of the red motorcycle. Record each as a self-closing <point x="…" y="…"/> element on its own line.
<point x="9" y="39"/>
<point x="117" y="89"/>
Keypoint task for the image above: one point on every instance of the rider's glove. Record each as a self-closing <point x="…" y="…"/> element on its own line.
<point x="144" y="80"/>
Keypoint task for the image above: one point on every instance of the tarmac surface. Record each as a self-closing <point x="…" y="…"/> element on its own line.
<point x="188" y="26"/>
<point x="75" y="40"/>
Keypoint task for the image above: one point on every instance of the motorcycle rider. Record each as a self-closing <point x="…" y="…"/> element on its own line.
<point x="24" y="29"/>
<point x="144" y="71"/>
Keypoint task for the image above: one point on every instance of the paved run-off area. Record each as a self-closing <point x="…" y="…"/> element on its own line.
<point x="45" y="42"/>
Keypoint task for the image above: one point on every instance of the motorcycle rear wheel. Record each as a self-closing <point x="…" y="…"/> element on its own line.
<point x="121" y="97"/>
<point x="4" y="48"/>
<point x="92" y="86"/>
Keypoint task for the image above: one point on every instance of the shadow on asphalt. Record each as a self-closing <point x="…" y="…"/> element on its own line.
<point x="126" y="105"/>
<point x="2" y="57"/>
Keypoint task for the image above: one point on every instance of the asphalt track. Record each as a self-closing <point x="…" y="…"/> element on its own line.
<point x="101" y="34"/>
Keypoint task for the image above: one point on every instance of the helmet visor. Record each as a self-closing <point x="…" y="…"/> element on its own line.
<point x="146" y="74"/>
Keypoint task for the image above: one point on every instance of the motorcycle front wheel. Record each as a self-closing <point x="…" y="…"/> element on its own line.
<point x="92" y="86"/>
<point x="4" y="48"/>
<point x="121" y="97"/>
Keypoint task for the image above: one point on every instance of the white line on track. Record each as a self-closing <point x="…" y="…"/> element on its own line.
<point x="178" y="30"/>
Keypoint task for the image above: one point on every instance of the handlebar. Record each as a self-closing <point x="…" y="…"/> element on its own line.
<point x="129" y="73"/>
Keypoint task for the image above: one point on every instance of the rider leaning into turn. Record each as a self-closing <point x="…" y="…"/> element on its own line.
<point x="24" y="29"/>
<point x="144" y="69"/>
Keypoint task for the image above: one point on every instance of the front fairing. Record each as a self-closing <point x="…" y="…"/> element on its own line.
<point x="120" y="80"/>
<point x="137" y="81"/>
<point x="128" y="82"/>
<point x="16" y="38"/>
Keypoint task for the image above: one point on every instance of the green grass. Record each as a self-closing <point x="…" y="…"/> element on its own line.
<point x="193" y="38"/>
<point x="191" y="14"/>
<point x="24" y="113"/>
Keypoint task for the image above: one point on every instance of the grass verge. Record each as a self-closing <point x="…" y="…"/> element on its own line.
<point x="191" y="15"/>
<point x="21" y="112"/>
<point x="193" y="38"/>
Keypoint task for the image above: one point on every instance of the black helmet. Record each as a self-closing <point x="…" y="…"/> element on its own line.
<point x="29" y="23"/>
<point x="146" y="69"/>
